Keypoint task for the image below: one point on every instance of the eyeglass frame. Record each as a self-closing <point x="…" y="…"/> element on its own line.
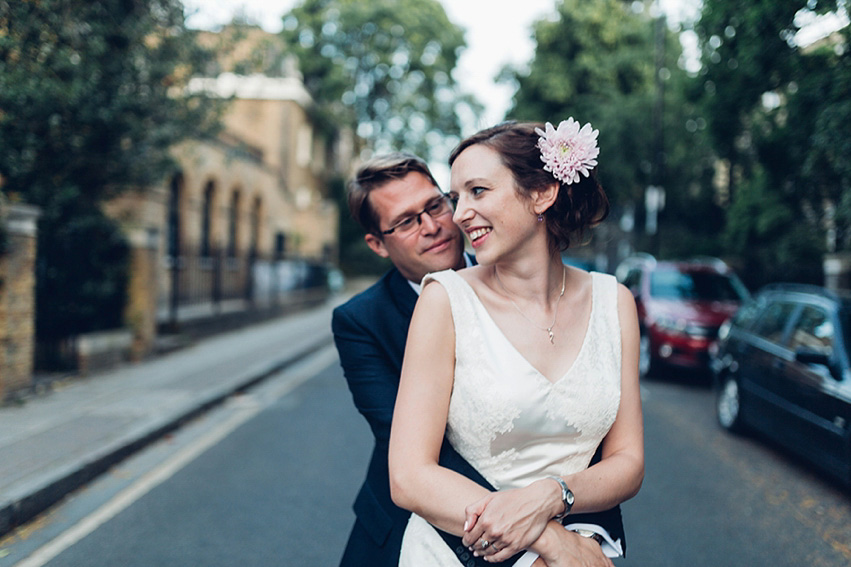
<point x="442" y="199"/>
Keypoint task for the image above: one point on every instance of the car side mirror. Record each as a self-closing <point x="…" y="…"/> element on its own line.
<point x="812" y="356"/>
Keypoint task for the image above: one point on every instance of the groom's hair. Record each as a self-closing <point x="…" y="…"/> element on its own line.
<point x="373" y="174"/>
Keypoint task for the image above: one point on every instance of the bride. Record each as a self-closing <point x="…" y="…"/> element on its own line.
<point x="526" y="364"/>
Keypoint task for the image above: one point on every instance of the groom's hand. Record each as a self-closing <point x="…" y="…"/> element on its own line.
<point x="510" y="520"/>
<point x="559" y="547"/>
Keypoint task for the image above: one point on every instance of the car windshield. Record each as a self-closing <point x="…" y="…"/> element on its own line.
<point x="703" y="286"/>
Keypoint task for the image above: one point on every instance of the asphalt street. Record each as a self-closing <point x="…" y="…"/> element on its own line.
<point x="268" y="479"/>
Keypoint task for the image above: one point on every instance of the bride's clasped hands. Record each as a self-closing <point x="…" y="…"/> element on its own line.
<point x="510" y="520"/>
<point x="517" y="519"/>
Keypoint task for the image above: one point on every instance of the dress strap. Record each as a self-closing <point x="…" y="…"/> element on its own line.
<point x="462" y="298"/>
<point x="605" y="298"/>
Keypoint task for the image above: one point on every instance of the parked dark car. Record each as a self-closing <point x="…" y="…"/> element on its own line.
<point x="781" y="368"/>
<point x="681" y="306"/>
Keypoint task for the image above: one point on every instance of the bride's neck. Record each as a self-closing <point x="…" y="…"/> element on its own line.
<point x="530" y="281"/>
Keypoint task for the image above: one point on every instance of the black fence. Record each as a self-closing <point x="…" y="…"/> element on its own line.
<point x="208" y="286"/>
<point x="201" y="294"/>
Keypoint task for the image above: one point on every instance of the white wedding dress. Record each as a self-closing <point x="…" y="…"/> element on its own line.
<point x="508" y="420"/>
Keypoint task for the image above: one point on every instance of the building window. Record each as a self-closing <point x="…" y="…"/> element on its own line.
<point x="255" y="227"/>
<point x="280" y="245"/>
<point x="173" y="217"/>
<point x="233" y="224"/>
<point x="207" y="219"/>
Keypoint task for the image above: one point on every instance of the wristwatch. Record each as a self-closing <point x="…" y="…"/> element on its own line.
<point x="590" y="535"/>
<point x="566" y="497"/>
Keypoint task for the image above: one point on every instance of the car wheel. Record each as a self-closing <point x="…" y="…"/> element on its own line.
<point x="729" y="405"/>
<point x="645" y="359"/>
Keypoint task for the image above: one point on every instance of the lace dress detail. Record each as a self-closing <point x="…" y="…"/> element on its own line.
<point x="506" y="418"/>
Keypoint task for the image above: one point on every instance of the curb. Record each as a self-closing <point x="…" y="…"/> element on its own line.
<point x="25" y="509"/>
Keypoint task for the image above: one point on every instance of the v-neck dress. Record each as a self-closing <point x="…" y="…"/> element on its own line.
<point x="507" y="419"/>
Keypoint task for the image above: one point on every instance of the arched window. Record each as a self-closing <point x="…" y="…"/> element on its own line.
<point x="233" y="224"/>
<point x="207" y="219"/>
<point x="255" y="227"/>
<point x="173" y="217"/>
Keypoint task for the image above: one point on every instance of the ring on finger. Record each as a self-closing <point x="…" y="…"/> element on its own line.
<point x="485" y="544"/>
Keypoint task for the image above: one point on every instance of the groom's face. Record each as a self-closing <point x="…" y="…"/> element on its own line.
<point x="436" y="244"/>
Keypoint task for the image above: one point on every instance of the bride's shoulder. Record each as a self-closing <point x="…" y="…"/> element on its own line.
<point x="472" y="275"/>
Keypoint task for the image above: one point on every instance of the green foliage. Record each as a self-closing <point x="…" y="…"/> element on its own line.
<point x="81" y="282"/>
<point x="597" y="62"/>
<point x="767" y="178"/>
<point x="382" y="68"/>
<point x="788" y="159"/>
<point x="765" y="232"/>
<point x="92" y="97"/>
<point x="745" y="53"/>
<point x="355" y="256"/>
<point x="92" y="94"/>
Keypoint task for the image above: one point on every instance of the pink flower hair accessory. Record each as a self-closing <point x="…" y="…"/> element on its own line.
<point x="568" y="151"/>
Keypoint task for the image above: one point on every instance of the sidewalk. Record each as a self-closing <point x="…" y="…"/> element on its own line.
<point x="55" y="443"/>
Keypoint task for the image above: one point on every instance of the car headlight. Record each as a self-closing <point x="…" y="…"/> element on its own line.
<point x="724" y="330"/>
<point x="670" y="324"/>
<point x="680" y="326"/>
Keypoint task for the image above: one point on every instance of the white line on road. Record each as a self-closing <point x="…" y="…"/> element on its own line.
<point x="277" y="387"/>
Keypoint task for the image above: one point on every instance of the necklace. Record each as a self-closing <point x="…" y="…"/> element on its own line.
<point x="549" y="329"/>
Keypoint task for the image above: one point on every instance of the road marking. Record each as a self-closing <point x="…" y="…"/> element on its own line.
<point x="243" y="410"/>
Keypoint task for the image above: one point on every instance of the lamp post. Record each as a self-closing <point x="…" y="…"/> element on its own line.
<point x="654" y="196"/>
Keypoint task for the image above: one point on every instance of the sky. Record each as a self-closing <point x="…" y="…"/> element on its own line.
<point x="498" y="32"/>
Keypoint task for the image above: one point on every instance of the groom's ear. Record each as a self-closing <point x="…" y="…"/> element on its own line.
<point x="376" y="245"/>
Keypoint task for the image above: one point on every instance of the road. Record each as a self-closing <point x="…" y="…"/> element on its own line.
<point x="714" y="499"/>
<point x="268" y="479"/>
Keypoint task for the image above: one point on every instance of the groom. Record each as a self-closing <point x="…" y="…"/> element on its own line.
<point x="408" y="220"/>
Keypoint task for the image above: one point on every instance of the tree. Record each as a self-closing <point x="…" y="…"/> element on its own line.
<point x="601" y="61"/>
<point x="774" y="111"/>
<point x="746" y="51"/>
<point x="382" y="68"/>
<point x="91" y="100"/>
<point x="595" y="63"/>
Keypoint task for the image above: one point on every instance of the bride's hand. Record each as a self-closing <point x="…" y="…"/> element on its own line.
<point x="510" y="520"/>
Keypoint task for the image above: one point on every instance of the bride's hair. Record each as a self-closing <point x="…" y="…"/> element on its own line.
<point x="578" y="207"/>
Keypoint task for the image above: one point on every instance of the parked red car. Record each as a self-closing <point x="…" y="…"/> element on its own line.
<point x="680" y="306"/>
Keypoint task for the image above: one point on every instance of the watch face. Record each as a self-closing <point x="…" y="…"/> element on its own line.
<point x="569" y="498"/>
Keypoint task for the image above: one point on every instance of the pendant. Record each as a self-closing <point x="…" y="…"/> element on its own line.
<point x="550" y="331"/>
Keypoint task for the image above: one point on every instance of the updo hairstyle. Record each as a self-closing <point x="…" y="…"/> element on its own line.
<point x="578" y="207"/>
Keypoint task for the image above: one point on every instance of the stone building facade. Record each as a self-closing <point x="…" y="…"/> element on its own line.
<point x="255" y="196"/>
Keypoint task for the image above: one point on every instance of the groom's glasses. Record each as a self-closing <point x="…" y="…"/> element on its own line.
<point x="410" y="224"/>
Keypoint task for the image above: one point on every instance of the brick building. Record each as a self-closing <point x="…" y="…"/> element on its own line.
<point x="241" y="211"/>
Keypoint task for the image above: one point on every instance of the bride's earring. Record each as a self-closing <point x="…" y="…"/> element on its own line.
<point x="540" y="217"/>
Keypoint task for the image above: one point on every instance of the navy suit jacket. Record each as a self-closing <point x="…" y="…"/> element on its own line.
<point x="370" y="331"/>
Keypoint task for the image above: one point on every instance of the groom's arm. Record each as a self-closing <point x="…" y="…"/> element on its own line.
<point x="611" y="520"/>
<point x="370" y="372"/>
<point x="373" y="379"/>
